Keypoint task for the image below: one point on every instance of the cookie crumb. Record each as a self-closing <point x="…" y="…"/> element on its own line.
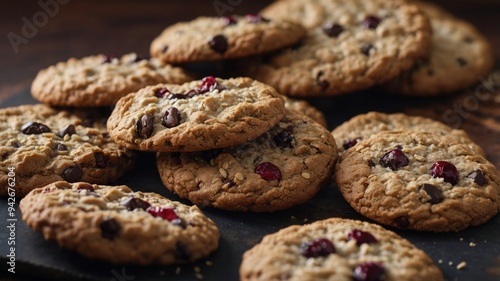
<point x="178" y="270"/>
<point x="209" y="263"/>
<point x="197" y="269"/>
<point x="198" y="276"/>
<point x="440" y="261"/>
<point x="305" y="220"/>
<point x="292" y="217"/>
<point x="472" y="244"/>
<point x="162" y="273"/>
<point x="306" y="175"/>
<point x="461" y="265"/>
<point x="461" y="239"/>
<point x="450" y="263"/>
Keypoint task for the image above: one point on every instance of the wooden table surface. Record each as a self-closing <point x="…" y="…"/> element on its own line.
<point x="77" y="28"/>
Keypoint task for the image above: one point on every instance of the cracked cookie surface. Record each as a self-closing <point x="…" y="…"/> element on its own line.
<point x="115" y="224"/>
<point x="45" y="145"/>
<point x="419" y="181"/>
<point x="284" y="167"/>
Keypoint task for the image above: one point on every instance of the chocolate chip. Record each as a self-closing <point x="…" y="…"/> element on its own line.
<point x="323" y="84"/>
<point x="172" y="118"/>
<point x="132" y="203"/>
<point x="88" y="123"/>
<point x="164" y="48"/>
<point x="332" y="29"/>
<point x="182" y="251"/>
<point x="366" y="48"/>
<point x="218" y="43"/>
<point x="402" y="222"/>
<point x="110" y="228"/>
<point x="461" y="61"/>
<point x="145" y="125"/>
<point x="371" y="163"/>
<point x="34" y="128"/>
<point x="72" y="174"/>
<point x="478" y="177"/>
<point x="371" y="22"/>
<point x="68" y="130"/>
<point x="284" y="139"/>
<point x="16" y="144"/>
<point x="101" y="160"/>
<point x="434" y="192"/>
<point x="105" y="135"/>
<point x="160" y="93"/>
<point x="61" y="147"/>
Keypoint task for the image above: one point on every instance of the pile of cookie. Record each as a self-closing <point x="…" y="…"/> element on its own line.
<point x="243" y="143"/>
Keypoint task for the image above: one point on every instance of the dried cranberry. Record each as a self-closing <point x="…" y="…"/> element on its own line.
<point x="332" y="29"/>
<point x="108" y="58"/>
<point x="177" y="96"/>
<point x="320" y="247"/>
<point x="394" y="159"/>
<point x="218" y="43"/>
<point x="478" y="177"/>
<point x="160" y="93"/>
<point x="192" y="93"/>
<point x="68" y="130"/>
<point x="350" y="143"/>
<point x="133" y="203"/>
<point x="253" y="18"/>
<point x="268" y="171"/>
<point x="34" y="128"/>
<point x="110" y="228"/>
<point x="209" y="84"/>
<point x="284" y="139"/>
<point x="145" y="125"/>
<point x="369" y="271"/>
<point x="361" y="237"/>
<point x="164" y="213"/>
<point x="172" y="118"/>
<point x="72" y="174"/>
<point x="445" y="170"/>
<point x="371" y="22"/>
<point x="229" y="20"/>
<point x="101" y="160"/>
<point x="434" y="192"/>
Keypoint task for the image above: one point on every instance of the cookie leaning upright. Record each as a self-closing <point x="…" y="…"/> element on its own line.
<point x="419" y="181"/>
<point x="349" y="45"/>
<point x="115" y="224"/>
<point x="101" y="80"/>
<point x="199" y="115"/>
<point x="284" y="167"/>
<point x="217" y="38"/>
<point x="337" y="249"/>
<point x="459" y="56"/>
<point x="43" y="145"/>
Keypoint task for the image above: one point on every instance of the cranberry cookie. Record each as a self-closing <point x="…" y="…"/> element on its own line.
<point x="337" y="249"/>
<point x="212" y="38"/>
<point x="365" y="125"/>
<point x="459" y="56"/>
<point x="41" y="145"/>
<point x="115" y="224"/>
<point x="284" y="167"/>
<point x="349" y="45"/>
<point x="199" y="115"/>
<point x="419" y="181"/>
<point x="101" y="80"/>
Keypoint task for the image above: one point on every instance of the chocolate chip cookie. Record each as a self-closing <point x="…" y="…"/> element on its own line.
<point x="337" y="249"/>
<point x="199" y="115"/>
<point x="459" y="56"/>
<point x="365" y="125"/>
<point x="284" y="167"/>
<point x="419" y="181"/>
<point x="115" y="224"/>
<point x="43" y="145"/>
<point x="349" y="45"/>
<point x="217" y="38"/>
<point x="101" y="80"/>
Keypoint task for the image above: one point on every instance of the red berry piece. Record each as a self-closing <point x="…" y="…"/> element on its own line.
<point x="320" y="247"/>
<point x="162" y="92"/>
<point x="268" y="171"/>
<point x="350" y="143"/>
<point x="253" y="18"/>
<point x="164" y="213"/>
<point x="361" y="237"/>
<point x="371" y="22"/>
<point x="172" y="118"/>
<point x="208" y="84"/>
<point x="108" y="58"/>
<point x="394" y="159"/>
<point x="229" y="20"/>
<point x="445" y="170"/>
<point x="369" y="271"/>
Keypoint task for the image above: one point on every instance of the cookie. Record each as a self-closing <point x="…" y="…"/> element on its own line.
<point x="41" y="145"/>
<point x="115" y="224"/>
<point x="307" y="109"/>
<point x="199" y="115"/>
<point x="337" y="249"/>
<point x="218" y="38"/>
<point x="348" y="46"/>
<point x="284" y="167"/>
<point x="459" y="56"/>
<point x="419" y="181"/>
<point x="365" y="125"/>
<point x="101" y="80"/>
